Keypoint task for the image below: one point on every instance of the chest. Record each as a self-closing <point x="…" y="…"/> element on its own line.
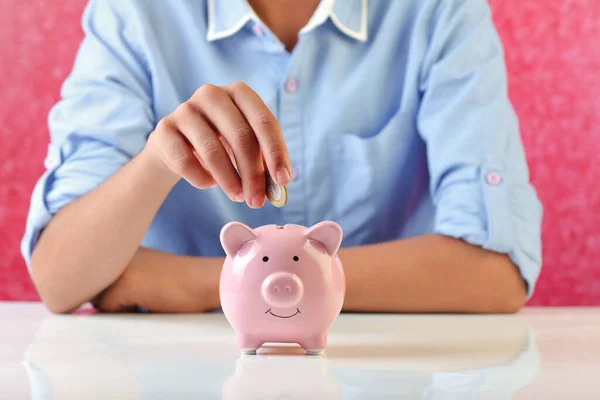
<point x="347" y="110"/>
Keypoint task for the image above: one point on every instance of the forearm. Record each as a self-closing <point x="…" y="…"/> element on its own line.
<point x="424" y="274"/>
<point x="430" y="273"/>
<point x="88" y="244"/>
<point x="185" y="284"/>
<point x="164" y="282"/>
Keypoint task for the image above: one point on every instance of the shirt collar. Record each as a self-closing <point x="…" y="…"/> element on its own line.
<point x="226" y="18"/>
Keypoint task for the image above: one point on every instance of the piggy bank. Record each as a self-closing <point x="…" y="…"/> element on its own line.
<point x="282" y="284"/>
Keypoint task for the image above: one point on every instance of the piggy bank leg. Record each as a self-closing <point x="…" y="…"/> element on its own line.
<point x="315" y="345"/>
<point x="247" y="344"/>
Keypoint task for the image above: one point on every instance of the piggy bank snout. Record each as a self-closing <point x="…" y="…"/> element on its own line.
<point x="282" y="289"/>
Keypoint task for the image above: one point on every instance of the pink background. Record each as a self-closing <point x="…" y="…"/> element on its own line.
<point x="553" y="55"/>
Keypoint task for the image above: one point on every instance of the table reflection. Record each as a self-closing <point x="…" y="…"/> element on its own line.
<point x="369" y="357"/>
<point x="282" y="377"/>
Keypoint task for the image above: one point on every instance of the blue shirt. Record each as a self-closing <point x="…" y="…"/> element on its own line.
<point x="395" y="114"/>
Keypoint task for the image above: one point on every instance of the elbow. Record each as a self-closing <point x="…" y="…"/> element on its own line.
<point x="55" y="303"/>
<point x="498" y="304"/>
<point x="517" y="299"/>
<point x="507" y="288"/>
<point x="51" y="298"/>
<point x="49" y="289"/>
<point x="56" y="307"/>
<point x="510" y="305"/>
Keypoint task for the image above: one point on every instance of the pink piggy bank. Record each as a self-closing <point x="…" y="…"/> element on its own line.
<point x="282" y="284"/>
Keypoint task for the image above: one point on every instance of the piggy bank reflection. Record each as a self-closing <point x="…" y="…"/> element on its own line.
<point x="282" y="284"/>
<point x="281" y="377"/>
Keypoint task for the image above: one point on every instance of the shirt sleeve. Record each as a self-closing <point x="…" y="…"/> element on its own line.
<point x="478" y="171"/>
<point x="102" y="120"/>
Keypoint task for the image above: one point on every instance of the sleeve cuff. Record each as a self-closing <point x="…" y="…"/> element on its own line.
<point x="484" y="209"/>
<point x="39" y="216"/>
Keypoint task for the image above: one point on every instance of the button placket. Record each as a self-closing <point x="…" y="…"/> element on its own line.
<point x="291" y="122"/>
<point x="291" y="85"/>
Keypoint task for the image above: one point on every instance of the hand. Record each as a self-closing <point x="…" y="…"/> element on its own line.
<point x="216" y="131"/>
<point x="162" y="282"/>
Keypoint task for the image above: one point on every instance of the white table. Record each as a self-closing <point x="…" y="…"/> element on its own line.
<point x="537" y="354"/>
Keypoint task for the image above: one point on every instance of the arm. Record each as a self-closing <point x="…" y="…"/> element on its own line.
<point x="488" y="217"/>
<point x="91" y="242"/>
<point x="164" y="282"/>
<point x="486" y="235"/>
<point x="80" y="235"/>
<point x="425" y="274"/>
<point x="79" y="254"/>
<point x="95" y="206"/>
<point x="430" y="273"/>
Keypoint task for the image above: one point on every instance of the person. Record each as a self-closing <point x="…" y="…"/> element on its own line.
<point x="391" y="118"/>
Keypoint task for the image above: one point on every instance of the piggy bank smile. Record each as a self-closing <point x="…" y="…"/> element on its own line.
<point x="269" y="311"/>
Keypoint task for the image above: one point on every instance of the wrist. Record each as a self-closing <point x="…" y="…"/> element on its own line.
<point x="153" y="163"/>
<point x="201" y="281"/>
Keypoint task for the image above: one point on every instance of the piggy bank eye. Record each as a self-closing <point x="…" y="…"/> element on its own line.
<point x="265" y="258"/>
<point x="296" y="258"/>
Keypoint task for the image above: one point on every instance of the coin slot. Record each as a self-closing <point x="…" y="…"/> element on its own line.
<point x="279" y="227"/>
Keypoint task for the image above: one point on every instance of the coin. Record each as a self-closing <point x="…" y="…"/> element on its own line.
<point x="276" y="194"/>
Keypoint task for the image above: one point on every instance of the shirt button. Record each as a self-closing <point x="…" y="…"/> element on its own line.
<point x="258" y="30"/>
<point x="51" y="162"/>
<point x="294" y="173"/>
<point x="291" y="85"/>
<point x="493" y="179"/>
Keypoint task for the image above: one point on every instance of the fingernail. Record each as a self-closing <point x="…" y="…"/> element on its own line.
<point x="257" y="201"/>
<point x="239" y="197"/>
<point x="283" y="176"/>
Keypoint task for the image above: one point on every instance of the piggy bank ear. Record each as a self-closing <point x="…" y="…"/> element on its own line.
<point x="234" y="236"/>
<point x="328" y="233"/>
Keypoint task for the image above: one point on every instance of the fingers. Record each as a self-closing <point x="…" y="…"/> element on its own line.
<point x="218" y="107"/>
<point x="209" y="149"/>
<point x="266" y="129"/>
<point x="227" y="137"/>
<point x="179" y="156"/>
